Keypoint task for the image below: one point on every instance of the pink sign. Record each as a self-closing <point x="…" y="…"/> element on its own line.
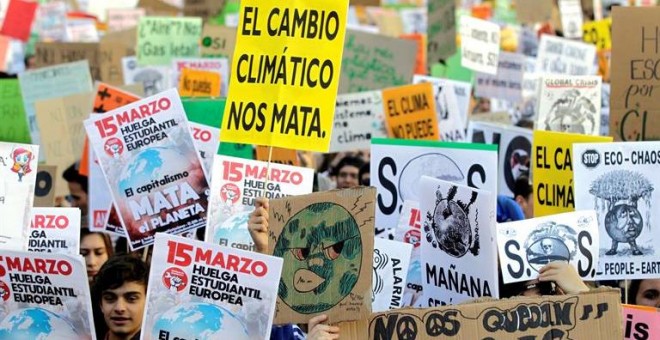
<point x="640" y="322"/>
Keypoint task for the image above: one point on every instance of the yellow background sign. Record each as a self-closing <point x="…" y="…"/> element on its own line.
<point x="410" y="112"/>
<point x="598" y="33"/>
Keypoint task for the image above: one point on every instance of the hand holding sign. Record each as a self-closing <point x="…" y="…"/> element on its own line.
<point x="258" y="224"/>
<point x="564" y="275"/>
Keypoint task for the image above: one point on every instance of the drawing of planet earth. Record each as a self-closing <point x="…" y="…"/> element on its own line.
<point x="148" y="166"/>
<point x="200" y="321"/>
<point x="35" y="324"/>
<point x="434" y="165"/>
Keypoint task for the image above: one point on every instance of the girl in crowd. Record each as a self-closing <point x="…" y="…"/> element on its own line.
<point x="96" y="248"/>
<point x="644" y="293"/>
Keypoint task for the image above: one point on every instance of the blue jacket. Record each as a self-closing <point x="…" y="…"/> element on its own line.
<point x="508" y="210"/>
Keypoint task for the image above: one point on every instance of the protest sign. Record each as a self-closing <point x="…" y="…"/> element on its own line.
<point x="552" y="166"/>
<point x="236" y="184"/>
<point x="480" y="45"/>
<point x="277" y="155"/>
<point x="218" y="41"/>
<point x="507" y="83"/>
<point x="635" y="63"/>
<point x="230" y="291"/>
<point x="150" y="163"/>
<point x="459" y="254"/>
<point x="571" y="18"/>
<point x="327" y="242"/>
<point x="112" y="48"/>
<point x="199" y="83"/>
<point x="374" y="62"/>
<point x="120" y="19"/>
<point x="391" y="261"/>
<point x="292" y="109"/>
<point x="514" y="151"/>
<point x="45" y="295"/>
<point x="55" y="230"/>
<point x="51" y="82"/>
<point x="81" y="30"/>
<point x="569" y="104"/>
<point x="18" y="163"/>
<point x="55" y="53"/>
<point x="562" y="56"/>
<point x="18" y="19"/>
<point x="618" y="181"/>
<point x="216" y="65"/>
<point x="358" y="118"/>
<point x="206" y="9"/>
<point x="581" y="316"/>
<point x="44" y="188"/>
<point x="398" y="165"/>
<point x="528" y="42"/>
<point x="420" y="61"/>
<point x="160" y="39"/>
<point x="409" y="230"/>
<point x="605" y="110"/>
<point x="5" y="43"/>
<point x="463" y="91"/>
<point x="640" y="322"/>
<point x="51" y="21"/>
<point x="12" y="113"/>
<point x="441" y="31"/>
<point x="410" y="112"/>
<point x="100" y="9"/>
<point x="154" y="79"/>
<point x="525" y="110"/>
<point x="598" y="33"/>
<point x="527" y="246"/>
<point x="451" y="118"/>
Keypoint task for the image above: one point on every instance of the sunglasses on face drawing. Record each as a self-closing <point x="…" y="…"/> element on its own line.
<point x="330" y="252"/>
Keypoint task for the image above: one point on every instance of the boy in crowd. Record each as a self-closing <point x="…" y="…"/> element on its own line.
<point x="347" y="172"/>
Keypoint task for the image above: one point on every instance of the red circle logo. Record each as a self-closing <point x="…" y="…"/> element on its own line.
<point x="4" y="291"/>
<point x="230" y="193"/>
<point x="175" y="279"/>
<point x="413" y="237"/>
<point x="114" y="147"/>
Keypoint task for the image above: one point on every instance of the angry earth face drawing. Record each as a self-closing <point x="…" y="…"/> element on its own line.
<point x="322" y="252"/>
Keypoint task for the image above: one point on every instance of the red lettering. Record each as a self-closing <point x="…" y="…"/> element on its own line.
<point x="233" y="263"/>
<point x="39" y="266"/>
<point x="50" y="222"/>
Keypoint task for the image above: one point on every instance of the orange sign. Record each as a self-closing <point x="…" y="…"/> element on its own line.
<point x="199" y="83"/>
<point x="280" y="155"/>
<point x="410" y="112"/>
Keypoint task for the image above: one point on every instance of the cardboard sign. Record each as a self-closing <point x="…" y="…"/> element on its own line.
<point x="54" y="53"/>
<point x="514" y="151"/>
<point x="598" y="33"/>
<point x="327" y="242"/>
<point x="203" y="8"/>
<point x="278" y="155"/>
<point x="293" y="110"/>
<point x="441" y="32"/>
<point x="420" y="62"/>
<point x="49" y="288"/>
<point x="569" y="104"/>
<point x="566" y="316"/>
<point x="216" y="65"/>
<point x="18" y="171"/>
<point x="507" y="83"/>
<point x="571" y="18"/>
<point x="358" y="118"/>
<point x="218" y="41"/>
<point x="236" y="184"/>
<point x="409" y="230"/>
<point x="155" y="79"/>
<point x="198" y="83"/>
<point x="18" y="19"/>
<point x="527" y="246"/>
<point x="635" y="33"/>
<point x="149" y="161"/>
<point x="451" y="117"/>
<point x="480" y="45"/>
<point x="618" y="181"/>
<point x="51" y="21"/>
<point x="120" y="19"/>
<point x="112" y="48"/>
<point x="374" y="62"/>
<point x="55" y="230"/>
<point x="552" y="167"/>
<point x="459" y="254"/>
<point x="44" y="188"/>
<point x="562" y="56"/>
<point x="12" y="113"/>
<point x="391" y="261"/>
<point x="52" y="82"/>
<point x="410" y="112"/>
<point x="398" y="165"/>
<point x="229" y="287"/>
<point x="640" y="322"/>
<point x="160" y="39"/>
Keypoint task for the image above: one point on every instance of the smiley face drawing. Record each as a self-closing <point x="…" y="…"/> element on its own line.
<point x="322" y="252"/>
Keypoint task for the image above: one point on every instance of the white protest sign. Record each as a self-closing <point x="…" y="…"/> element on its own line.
<point x="207" y="140"/>
<point x="55" y="230"/>
<point x="569" y="104"/>
<point x="409" y="230"/>
<point x="152" y="167"/>
<point x="358" y="118"/>
<point x="605" y="110"/>
<point x="99" y="199"/>
<point x="459" y="253"/>
<point x="217" y="65"/>
<point x="155" y="79"/>
<point x="528" y="42"/>
<point x="236" y="184"/>
<point x="398" y="165"/>
<point x="391" y="261"/>
<point x="526" y="246"/>
<point x="18" y="174"/>
<point x="452" y="117"/>
<point x="44" y="296"/>
<point x="507" y="83"/>
<point x="203" y="291"/>
<point x="526" y="108"/>
<point x="81" y="30"/>
<point x="562" y="56"/>
<point x="120" y="19"/>
<point x="51" y="21"/>
<point x="480" y="44"/>
<point x="619" y="181"/>
<point x="571" y="18"/>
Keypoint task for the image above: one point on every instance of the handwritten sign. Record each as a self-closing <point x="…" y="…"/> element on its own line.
<point x="120" y="19"/>
<point x="507" y="83"/>
<point x="358" y="118"/>
<point x="18" y="19"/>
<point x="216" y="65"/>
<point x="198" y="83"/>
<point x="410" y="112"/>
<point x="54" y="53"/>
<point x="293" y="110"/>
<point x="640" y="322"/>
<point x="112" y="48"/>
<point x="451" y="117"/>
<point x="441" y="31"/>
<point x="12" y="113"/>
<point x="218" y="41"/>
<point x="562" y="56"/>
<point x="162" y="38"/>
<point x="480" y="45"/>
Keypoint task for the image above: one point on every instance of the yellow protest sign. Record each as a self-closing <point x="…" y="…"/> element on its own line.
<point x="598" y="33"/>
<point x="285" y="73"/>
<point x="199" y="83"/>
<point x="410" y="112"/>
<point x="552" y="170"/>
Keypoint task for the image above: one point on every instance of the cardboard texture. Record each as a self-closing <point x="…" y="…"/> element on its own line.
<point x="53" y="53"/>
<point x="441" y="30"/>
<point x="634" y="106"/>
<point x="327" y="241"/>
<point x="593" y="315"/>
<point x="203" y="8"/>
<point x="44" y="187"/>
<point x="533" y="11"/>
<point x="112" y="48"/>
<point x="218" y="41"/>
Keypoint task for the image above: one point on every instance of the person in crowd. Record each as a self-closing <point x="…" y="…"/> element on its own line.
<point x="508" y="210"/>
<point x="644" y="293"/>
<point x="77" y="197"/>
<point x="347" y="172"/>
<point x="555" y="278"/>
<point x="365" y="174"/>
<point x="118" y="298"/>
<point x="258" y="227"/>
<point x="524" y="196"/>
<point x="96" y="248"/>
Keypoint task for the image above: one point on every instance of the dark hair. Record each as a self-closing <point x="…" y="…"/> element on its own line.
<point x="348" y="161"/>
<point x="522" y="187"/>
<point x="365" y="169"/>
<point x="633" y="289"/>
<point x="72" y="175"/>
<point x="106" y="239"/>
